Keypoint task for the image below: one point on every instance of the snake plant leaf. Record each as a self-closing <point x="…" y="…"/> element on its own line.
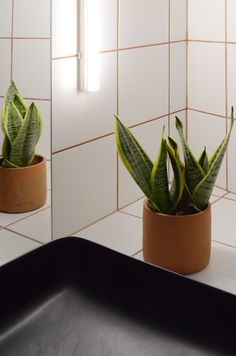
<point x="193" y="172"/>
<point x="12" y="95"/>
<point x="159" y="179"/>
<point x="177" y="187"/>
<point x="22" y="151"/>
<point x="6" y="148"/>
<point x="13" y="122"/>
<point x="204" y="161"/>
<point x="203" y="190"/>
<point x="8" y="164"/>
<point x="133" y="157"/>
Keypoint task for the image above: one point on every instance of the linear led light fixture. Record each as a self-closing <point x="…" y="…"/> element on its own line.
<point x="89" y="44"/>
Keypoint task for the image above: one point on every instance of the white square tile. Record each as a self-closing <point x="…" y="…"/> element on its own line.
<point x="77" y="115"/>
<point x="108" y="22"/>
<point x="220" y="272"/>
<point x="206" y="72"/>
<point x="231" y="24"/>
<point x="143" y="84"/>
<point x="199" y="126"/>
<point x="84" y="185"/>
<point x="149" y="136"/>
<point x="8" y="219"/>
<point x="178" y="20"/>
<point x="223" y="221"/>
<point x="13" y="246"/>
<point x="64" y="28"/>
<point x="5" y="65"/>
<point x="207" y="20"/>
<point x="231" y="80"/>
<point x="36" y="226"/>
<point x="31" y="67"/>
<point x="231" y="196"/>
<point x="178" y="71"/>
<point x="119" y="232"/>
<point x="135" y="209"/>
<point x="6" y="19"/>
<point x="37" y="24"/>
<point x="219" y="192"/>
<point x="142" y="24"/>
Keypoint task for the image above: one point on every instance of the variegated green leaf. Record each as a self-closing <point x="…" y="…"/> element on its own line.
<point x="177" y="187"/>
<point x="202" y="192"/>
<point x="6" y="148"/>
<point x="22" y="151"/>
<point x="133" y="157"/>
<point x="13" y="122"/>
<point x="159" y="179"/>
<point x="193" y="171"/>
<point x="204" y="161"/>
<point x="12" y="95"/>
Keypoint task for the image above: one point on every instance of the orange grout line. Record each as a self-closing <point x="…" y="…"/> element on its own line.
<point x="112" y="133"/>
<point x="65" y="57"/>
<point x="137" y="253"/>
<point x="23" y="38"/>
<point x="223" y="243"/>
<point x="28" y="216"/>
<point x="22" y="235"/>
<point x="187" y="67"/>
<point x="226" y="93"/>
<point x="39" y="99"/>
<point x="12" y="29"/>
<point x="118" y="97"/>
<point x="208" y="113"/>
<point x="130" y="214"/>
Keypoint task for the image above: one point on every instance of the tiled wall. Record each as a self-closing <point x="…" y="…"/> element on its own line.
<point x="25" y="56"/>
<point x="143" y="79"/>
<point x="212" y="78"/>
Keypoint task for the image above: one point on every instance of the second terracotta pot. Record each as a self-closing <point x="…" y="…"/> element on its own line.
<point x="180" y="243"/>
<point x="23" y="189"/>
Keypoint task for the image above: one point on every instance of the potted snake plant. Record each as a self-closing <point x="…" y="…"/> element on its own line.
<point x="176" y="216"/>
<point x="22" y="172"/>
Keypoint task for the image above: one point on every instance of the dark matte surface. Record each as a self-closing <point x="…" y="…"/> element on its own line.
<point x="73" y="297"/>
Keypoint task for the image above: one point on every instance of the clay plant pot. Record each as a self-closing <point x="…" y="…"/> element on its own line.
<point x="23" y="189"/>
<point x="180" y="243"/>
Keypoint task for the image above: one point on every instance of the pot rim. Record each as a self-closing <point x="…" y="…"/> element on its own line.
<point x="42" y="160"/>
<point x="187" y="216"/>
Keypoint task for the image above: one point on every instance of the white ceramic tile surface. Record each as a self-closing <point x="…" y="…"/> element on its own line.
<point x="231" y="77"/>
<point x="141" y="24"/>
<point x="231" y="30"/>
<point x="220" y="272"/>
<point x="64" y="27"/>
<point x="7" y="219"/>
<point x="48" y="164"/>
<point x="143" y="84"/>
<point x="5" y="65"/>
<point x="37" y="226"/>
<point x="5" y="23"/>
<point x="79" y="116"/>
<point x="126" y="237"/>
<point x="206" y="71"/>
<point x="231" y="196"/>
<point x="135" y="209"/>
<point x="178" y="76"/>
<point x="199" y="127"/>
<point x="35" y="25"/>
<point x="149" y="136"/>
<point x="31" y="67"/>
<point x="206" y="20"/>
<point x="223" y="221"/>
<point x="13" y="246"/>
<point x="108" y="22"/>
<point x="84" y="185"/>
<point x="178" y="17"/>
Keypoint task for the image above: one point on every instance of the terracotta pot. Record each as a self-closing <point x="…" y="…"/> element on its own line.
<point x="23" y="189"/>
<point x="180" y="243"/>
